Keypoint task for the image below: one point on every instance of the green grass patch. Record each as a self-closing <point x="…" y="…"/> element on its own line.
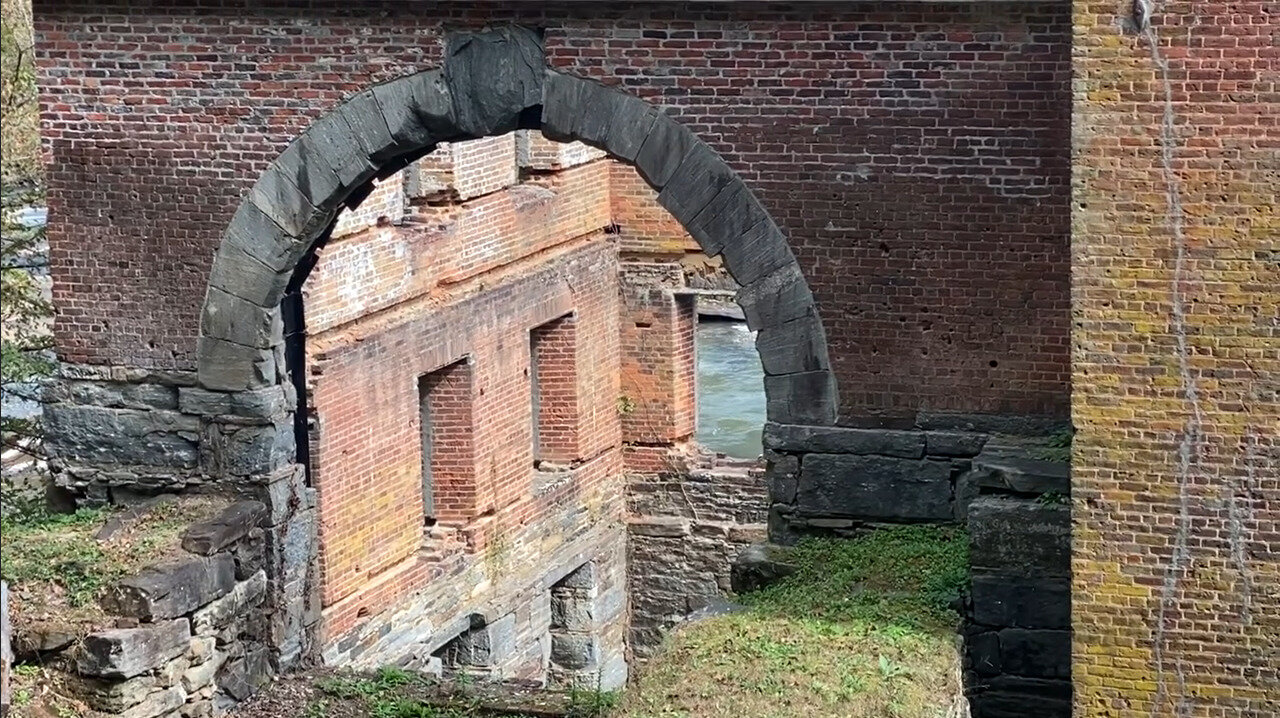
<point x="864" y="628"/>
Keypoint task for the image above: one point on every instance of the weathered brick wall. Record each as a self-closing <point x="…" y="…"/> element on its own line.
<point x="914" y="153"/>
<point x="1176" y="360"/>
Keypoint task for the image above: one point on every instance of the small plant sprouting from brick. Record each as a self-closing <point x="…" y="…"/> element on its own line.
<point x="1057" y="447"/>
<point x="1053" y="498"/>
<point x="626" y="405"/>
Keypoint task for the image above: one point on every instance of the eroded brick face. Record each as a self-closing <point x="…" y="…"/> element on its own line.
<point x="1176" y="469"/>
<point x="915" y="154"/>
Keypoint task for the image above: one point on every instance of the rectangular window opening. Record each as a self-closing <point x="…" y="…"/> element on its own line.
<point x="445" y="427"/>
<point x="553" y="393"/>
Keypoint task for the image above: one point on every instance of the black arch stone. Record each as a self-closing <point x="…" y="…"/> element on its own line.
<point x="489" y="83"/>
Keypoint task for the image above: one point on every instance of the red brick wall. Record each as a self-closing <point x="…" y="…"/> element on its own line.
<point x="1176" y="469"/>
<point x="554" y="349"/>
<point x="448" y="396"/>
<point x="916" y="154"/>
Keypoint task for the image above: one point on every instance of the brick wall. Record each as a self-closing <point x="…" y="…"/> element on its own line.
<point x="1176" y="360"/>
<point x="916" y="154"/>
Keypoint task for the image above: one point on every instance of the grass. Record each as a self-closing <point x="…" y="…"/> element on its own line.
<point x="58" y="569"/>
<point x="864" y="628"/>
<point x="395" y="693"/>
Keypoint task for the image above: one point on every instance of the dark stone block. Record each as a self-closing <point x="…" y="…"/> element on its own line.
<point x="364" y="116"/>
<point x="237" y="273"/>
<point x="757" y="252"/>
<point x="226" y="366"/>
<point x="1024" y="476"/>
<point x="781" y="296"/>
<point x="122" y="436"/>
<point x="699" y="178"/>
<point x="127" y="652"/>
<point x="806" y="398"/>
<point x="1019" y="704"/>
<point x="725" y="217"/>
<point x="172" y="590"/>
<point x="1019" y="537"/>
<point x="874" y="487"/>
<point x="561" y="100"/>
<point x="794" y="347"/>
<point x="276" y="196"/>
<point x="493" y="77"/>
<point x="304" y="165"/>
<point x="261" y="238"/>
<point x="242" y="677"/>
<point x="953" y="443"/>
<point x="759" y="565"/>
<point x="235" y="521"/>
<point x="337" y="144"/>
<point x="1021" y="602"/>
<point x="632" y="120"/>
<point x="983" y="653"/>
<point x="239" y="321"/>
<point x="238" y="450"/>
<point x="663" y="150"/>
<point x="417" y="110"/>
<point x="841" y="440"/>
<point x="1036" y="653"/>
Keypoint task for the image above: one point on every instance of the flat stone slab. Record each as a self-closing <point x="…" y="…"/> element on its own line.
<point x="1020" y="536"/>
<point x="1023" y="476"/>
<point x="127" y="652"/>
<point x="1021" y="602"/>
<point x="840" y="440"/>
<point x="874" y="488"/>
<point x="172" y="590"/>
<point x="235" y="521"/>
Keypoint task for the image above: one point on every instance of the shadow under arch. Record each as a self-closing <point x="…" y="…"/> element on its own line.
<point x="492" y="83"/>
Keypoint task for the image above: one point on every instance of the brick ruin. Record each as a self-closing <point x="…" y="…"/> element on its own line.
<point x="423" y="286"/>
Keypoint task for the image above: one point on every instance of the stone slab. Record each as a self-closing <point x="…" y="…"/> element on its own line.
<point x="1020" y="537"/>
<point x="874" y="488"/>
<point x="1023" y="476"/>
<point x="127" y="652"/>
<point x="840" y="440"/>
<point x="172" y="590"/>
<point x="229" y="526"/>
<point x="1021" y="602"/>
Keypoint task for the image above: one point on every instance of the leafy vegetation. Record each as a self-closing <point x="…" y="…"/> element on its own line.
<point x="863" y="628"/>
<point x="1057" y="447"/>
<point x="58" y="568"/>
<point x="25" y="342"/>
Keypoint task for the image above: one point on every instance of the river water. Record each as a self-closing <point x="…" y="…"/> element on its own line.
<point x="730" y="389"/>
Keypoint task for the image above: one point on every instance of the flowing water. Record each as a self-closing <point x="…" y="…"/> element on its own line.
<point x="730" y="389"/>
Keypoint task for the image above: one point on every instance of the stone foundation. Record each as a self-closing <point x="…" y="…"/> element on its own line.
<point x="685" y="526"/>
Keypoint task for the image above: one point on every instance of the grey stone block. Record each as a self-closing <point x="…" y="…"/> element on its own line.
<point x="275" y="195"/>
<point x="561" y="104"/>
<point x="983" y="651"/>
<point x="1019" y="537"/>
<point x="573" y="651"/>
<point x="842" y="440"/>
<point x="781" y="296"/>
<point x="632" y="120"/>
<point x="760" y="565"/>
<point x="127" y="652"/>
<point x="663" y="150"/>
<point x="493" y="77"/>
<point x="260" y="237"/>
<point x="215" y="616"/>
<point x="1024" y="476"/>
<point x="758" y="252"/>
<point x="232" y="524"/>
<point x="699" y="178"/>
<point x="1036" y="653"/>
<point x="105" y="436"/>
<point x="953" y="443"/>
<point x="334" y="141"/>
<point x="874" y="487"/>
<point x="794" y="347"/>
<point x="303" y="163"/>
<point x="240" y="321"/>
<point x="242" y="677"/>
<point x="172" y="590"/>
<point x="239" y="450"/>
<point x="226" y="366"/>
<point x="725" y="216"/>
<point x="114" y="696"/>
<point x="806" y="398"/>
<point x="160" y="703"/>
<point x="417" y="110"/>
<point x="364" y="116"/>
<point x="1021" y="602"/>
<point x="238" y="273"/>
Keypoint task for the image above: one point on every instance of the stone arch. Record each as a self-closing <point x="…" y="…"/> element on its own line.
<point x="491" y="83"/>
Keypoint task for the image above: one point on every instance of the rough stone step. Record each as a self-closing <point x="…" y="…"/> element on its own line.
<point x="1022" y="475"/>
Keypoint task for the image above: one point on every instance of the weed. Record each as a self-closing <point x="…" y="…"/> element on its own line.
<point x="347" y="687"/>
<point x="389" y="676"/>
<point x="626" y="405"/>
<point x="319" y="709"/>
<point x="1057" y="447"/>
<point x="1053" y="498"/>
<point x="590" y="703"/>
